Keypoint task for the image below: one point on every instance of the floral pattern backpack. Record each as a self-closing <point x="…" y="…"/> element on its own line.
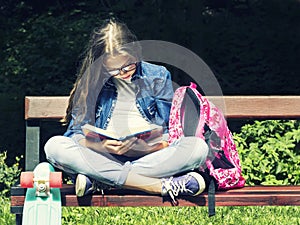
<point x="193" y="115"/>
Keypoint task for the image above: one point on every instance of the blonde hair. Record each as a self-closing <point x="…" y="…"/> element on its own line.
<point x="111" y="39"/>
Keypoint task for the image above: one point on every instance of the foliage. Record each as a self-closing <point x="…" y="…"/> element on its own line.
<point x="6" y="218"/>
<point x="242" y="41"/>
<point x="270" y="152"/>
<point x="8" y="174"/>
<point x="45" y="48"/>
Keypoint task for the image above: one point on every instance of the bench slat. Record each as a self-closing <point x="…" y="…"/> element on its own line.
<point x="202" y="200"/>
<point x="247" y="196"/>
<point x="222" y="199"/>
<point x="259" y="106"/>
<point x="69" y="189"/>
<point x="45" y="107"/>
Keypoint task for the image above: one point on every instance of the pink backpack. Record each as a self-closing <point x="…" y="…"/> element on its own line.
<point x="206" y="121"/>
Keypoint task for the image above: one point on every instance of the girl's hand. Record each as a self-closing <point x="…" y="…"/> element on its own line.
<point x="141" y="148"/>
<point x="111" y="146"/>
<point x="132" y="147"/>
<point x="118" y="147"/>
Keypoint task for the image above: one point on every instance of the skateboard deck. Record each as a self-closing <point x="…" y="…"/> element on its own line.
<point x="43" y="201"/>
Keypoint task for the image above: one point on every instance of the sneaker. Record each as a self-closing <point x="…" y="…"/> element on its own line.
<point x="85" y="186"/>
<point x="190" y="184"/>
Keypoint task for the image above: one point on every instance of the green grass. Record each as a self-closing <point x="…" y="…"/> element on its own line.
<point x="267" y="215"/>
<point x="183" y="215"/>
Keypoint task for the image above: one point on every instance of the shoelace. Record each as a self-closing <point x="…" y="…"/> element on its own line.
<point x="99" y="187"/>
<point x="173" y="188"/>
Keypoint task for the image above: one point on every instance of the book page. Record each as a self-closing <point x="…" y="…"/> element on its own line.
<point x="97" y="134"/>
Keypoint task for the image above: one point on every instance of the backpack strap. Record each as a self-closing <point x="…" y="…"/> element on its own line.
<point x="178" y="112"/>
<point x="204" y="109"/>
<point x="211" y="198"/>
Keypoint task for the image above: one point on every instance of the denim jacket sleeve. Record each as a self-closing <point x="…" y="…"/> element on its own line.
<point x="74" y="130"/>
<point x="78" y="119"/>
<point x="163" y="91"/>
<point x="156" y="93"/>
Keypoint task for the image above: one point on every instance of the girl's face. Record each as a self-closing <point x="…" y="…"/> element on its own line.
<point x="120" y="66"/>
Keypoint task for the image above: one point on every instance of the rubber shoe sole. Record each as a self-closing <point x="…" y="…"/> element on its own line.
<point x="80" y="185"/>
<point x="200" y="180"/>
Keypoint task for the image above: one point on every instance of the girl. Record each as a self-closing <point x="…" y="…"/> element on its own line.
<point x="116" y="90"/>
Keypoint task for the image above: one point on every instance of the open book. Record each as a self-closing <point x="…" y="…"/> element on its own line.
<point x="96" y="134"/>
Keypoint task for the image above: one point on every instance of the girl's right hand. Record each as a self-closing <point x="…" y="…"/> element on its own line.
<point x="111" y="146"/>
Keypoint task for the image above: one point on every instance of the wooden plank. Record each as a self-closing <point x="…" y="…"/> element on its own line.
<point x="222" y="199"/>
<point x="259" y="106"/>
<point x="247" y="196"/>
<point x="201" y="200"/>
<point x="44" y="107"/>
<point x="69" y="189"/>
<point x="50" y="107"/>
<point x="265" y="189"/>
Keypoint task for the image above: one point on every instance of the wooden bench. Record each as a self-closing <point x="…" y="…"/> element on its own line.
<point x="39" y="109"/>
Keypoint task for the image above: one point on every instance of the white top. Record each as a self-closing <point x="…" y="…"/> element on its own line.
<point x="126" y="117"/>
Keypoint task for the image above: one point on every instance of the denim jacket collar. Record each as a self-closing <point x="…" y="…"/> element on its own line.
<point x="138" y="72"/>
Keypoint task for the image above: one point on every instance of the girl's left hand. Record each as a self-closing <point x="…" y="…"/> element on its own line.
<point x="138" y="148"/>
<point x="141" y="148"/>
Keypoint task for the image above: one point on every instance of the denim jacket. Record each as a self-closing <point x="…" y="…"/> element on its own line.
<point x="154" y="93"/>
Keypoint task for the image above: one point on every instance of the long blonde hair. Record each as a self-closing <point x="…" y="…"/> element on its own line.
<point x="110" y="39"/>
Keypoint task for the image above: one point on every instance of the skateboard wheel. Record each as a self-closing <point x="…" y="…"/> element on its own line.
<point x="55" y="179"/>
<point x="26" y="179"/>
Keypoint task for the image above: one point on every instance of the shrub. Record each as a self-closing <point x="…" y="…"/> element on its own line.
<point x="8" y="174"/>
<point x="270" y="152"/>
<point x="6" y="218"/>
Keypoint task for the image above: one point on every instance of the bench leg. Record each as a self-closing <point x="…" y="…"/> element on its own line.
<point x="32" y="154"/>
<point x="19" y="219"/>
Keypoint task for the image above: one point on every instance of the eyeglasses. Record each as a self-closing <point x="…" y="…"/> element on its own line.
<point x="124" y="69"/>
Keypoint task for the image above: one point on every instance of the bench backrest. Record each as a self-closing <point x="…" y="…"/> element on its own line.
<point x="40" y="108"/>
<point x="236" y="106"/>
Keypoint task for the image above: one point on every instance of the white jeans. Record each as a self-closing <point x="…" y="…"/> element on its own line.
<point x="186" y="154"/>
